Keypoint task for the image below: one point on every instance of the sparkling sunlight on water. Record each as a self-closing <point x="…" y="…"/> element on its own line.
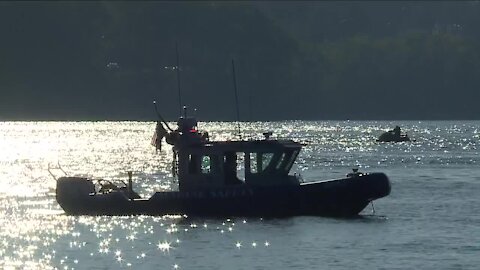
<point x="36" y="234"/>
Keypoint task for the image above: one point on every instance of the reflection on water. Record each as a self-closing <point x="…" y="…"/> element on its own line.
<point x="429" y="220"/>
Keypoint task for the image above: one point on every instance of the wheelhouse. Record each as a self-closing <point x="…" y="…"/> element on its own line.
<point x="232" y="163"/>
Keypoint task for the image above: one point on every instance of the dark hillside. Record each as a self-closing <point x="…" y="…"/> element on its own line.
<point x="294" y="60"/>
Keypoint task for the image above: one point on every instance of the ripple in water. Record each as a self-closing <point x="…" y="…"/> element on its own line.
<point x="429" y="221"/>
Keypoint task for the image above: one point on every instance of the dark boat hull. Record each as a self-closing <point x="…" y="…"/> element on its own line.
<point x="391" y="137"/>
<point x="341" y="197"/>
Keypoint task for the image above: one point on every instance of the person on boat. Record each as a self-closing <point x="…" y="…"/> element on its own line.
<point x="396" y="132"/>
<point x="158" y="135"/>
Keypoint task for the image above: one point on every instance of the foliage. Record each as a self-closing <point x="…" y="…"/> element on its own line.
<point x="313" y="60"/>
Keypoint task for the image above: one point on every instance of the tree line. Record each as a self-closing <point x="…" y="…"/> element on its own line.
<point x="319" y="60"/>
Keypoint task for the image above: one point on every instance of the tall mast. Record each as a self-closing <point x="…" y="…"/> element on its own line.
<point x="236" y="99"/>
<point x="178" y="81"/>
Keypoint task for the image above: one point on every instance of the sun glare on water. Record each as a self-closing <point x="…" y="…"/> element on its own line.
<point x="36" y="234"/>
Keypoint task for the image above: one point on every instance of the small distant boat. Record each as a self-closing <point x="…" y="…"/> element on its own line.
<point x="393" y="136"/>
<point x="210" y="183"/>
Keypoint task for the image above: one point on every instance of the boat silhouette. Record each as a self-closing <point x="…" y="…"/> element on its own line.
<point x="209" y="183"/>
<point x="393" y="135"/>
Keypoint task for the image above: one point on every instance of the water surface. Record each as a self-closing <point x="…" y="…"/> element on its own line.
<point x="430" y="220"/>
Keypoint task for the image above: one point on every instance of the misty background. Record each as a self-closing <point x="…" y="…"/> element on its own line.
<point x="294" y="60"/>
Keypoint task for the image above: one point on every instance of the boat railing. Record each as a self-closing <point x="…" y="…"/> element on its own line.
<point x="51" y="170"/>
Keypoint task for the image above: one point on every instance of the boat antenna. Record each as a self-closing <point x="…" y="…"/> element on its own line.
<point x="250" y="105"/>
<point x="236" y="99"/>
<point x="178" y="80"/>
<point x="160" y="116"/>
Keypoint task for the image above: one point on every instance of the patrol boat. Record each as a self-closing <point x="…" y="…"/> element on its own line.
<point x="210" y="184"/>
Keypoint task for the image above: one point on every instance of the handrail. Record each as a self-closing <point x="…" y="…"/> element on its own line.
<point x="58" y="167"/>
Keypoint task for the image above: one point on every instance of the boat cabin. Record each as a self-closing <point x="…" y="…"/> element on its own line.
<point x="228" y="163"/>
<point x="205" y="164"/>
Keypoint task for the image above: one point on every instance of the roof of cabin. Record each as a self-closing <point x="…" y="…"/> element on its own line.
<point x="249" y="146"/>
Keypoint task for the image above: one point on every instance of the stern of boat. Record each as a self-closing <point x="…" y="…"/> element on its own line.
<point x="71" y="192"/>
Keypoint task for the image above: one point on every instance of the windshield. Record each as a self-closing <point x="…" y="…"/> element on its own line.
<point x="272" y="162"/>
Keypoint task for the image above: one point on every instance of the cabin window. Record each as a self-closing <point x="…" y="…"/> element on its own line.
<point x="260" y="162"/>
<point x="205" y="164"/>
<point x="265" y="161"/>
<point x="280" y="161"/>
<point x="291" y="160"/>
<point x="234" y="168"/>
<point x="241" y="166"/>
<point x="253" y="163"/>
